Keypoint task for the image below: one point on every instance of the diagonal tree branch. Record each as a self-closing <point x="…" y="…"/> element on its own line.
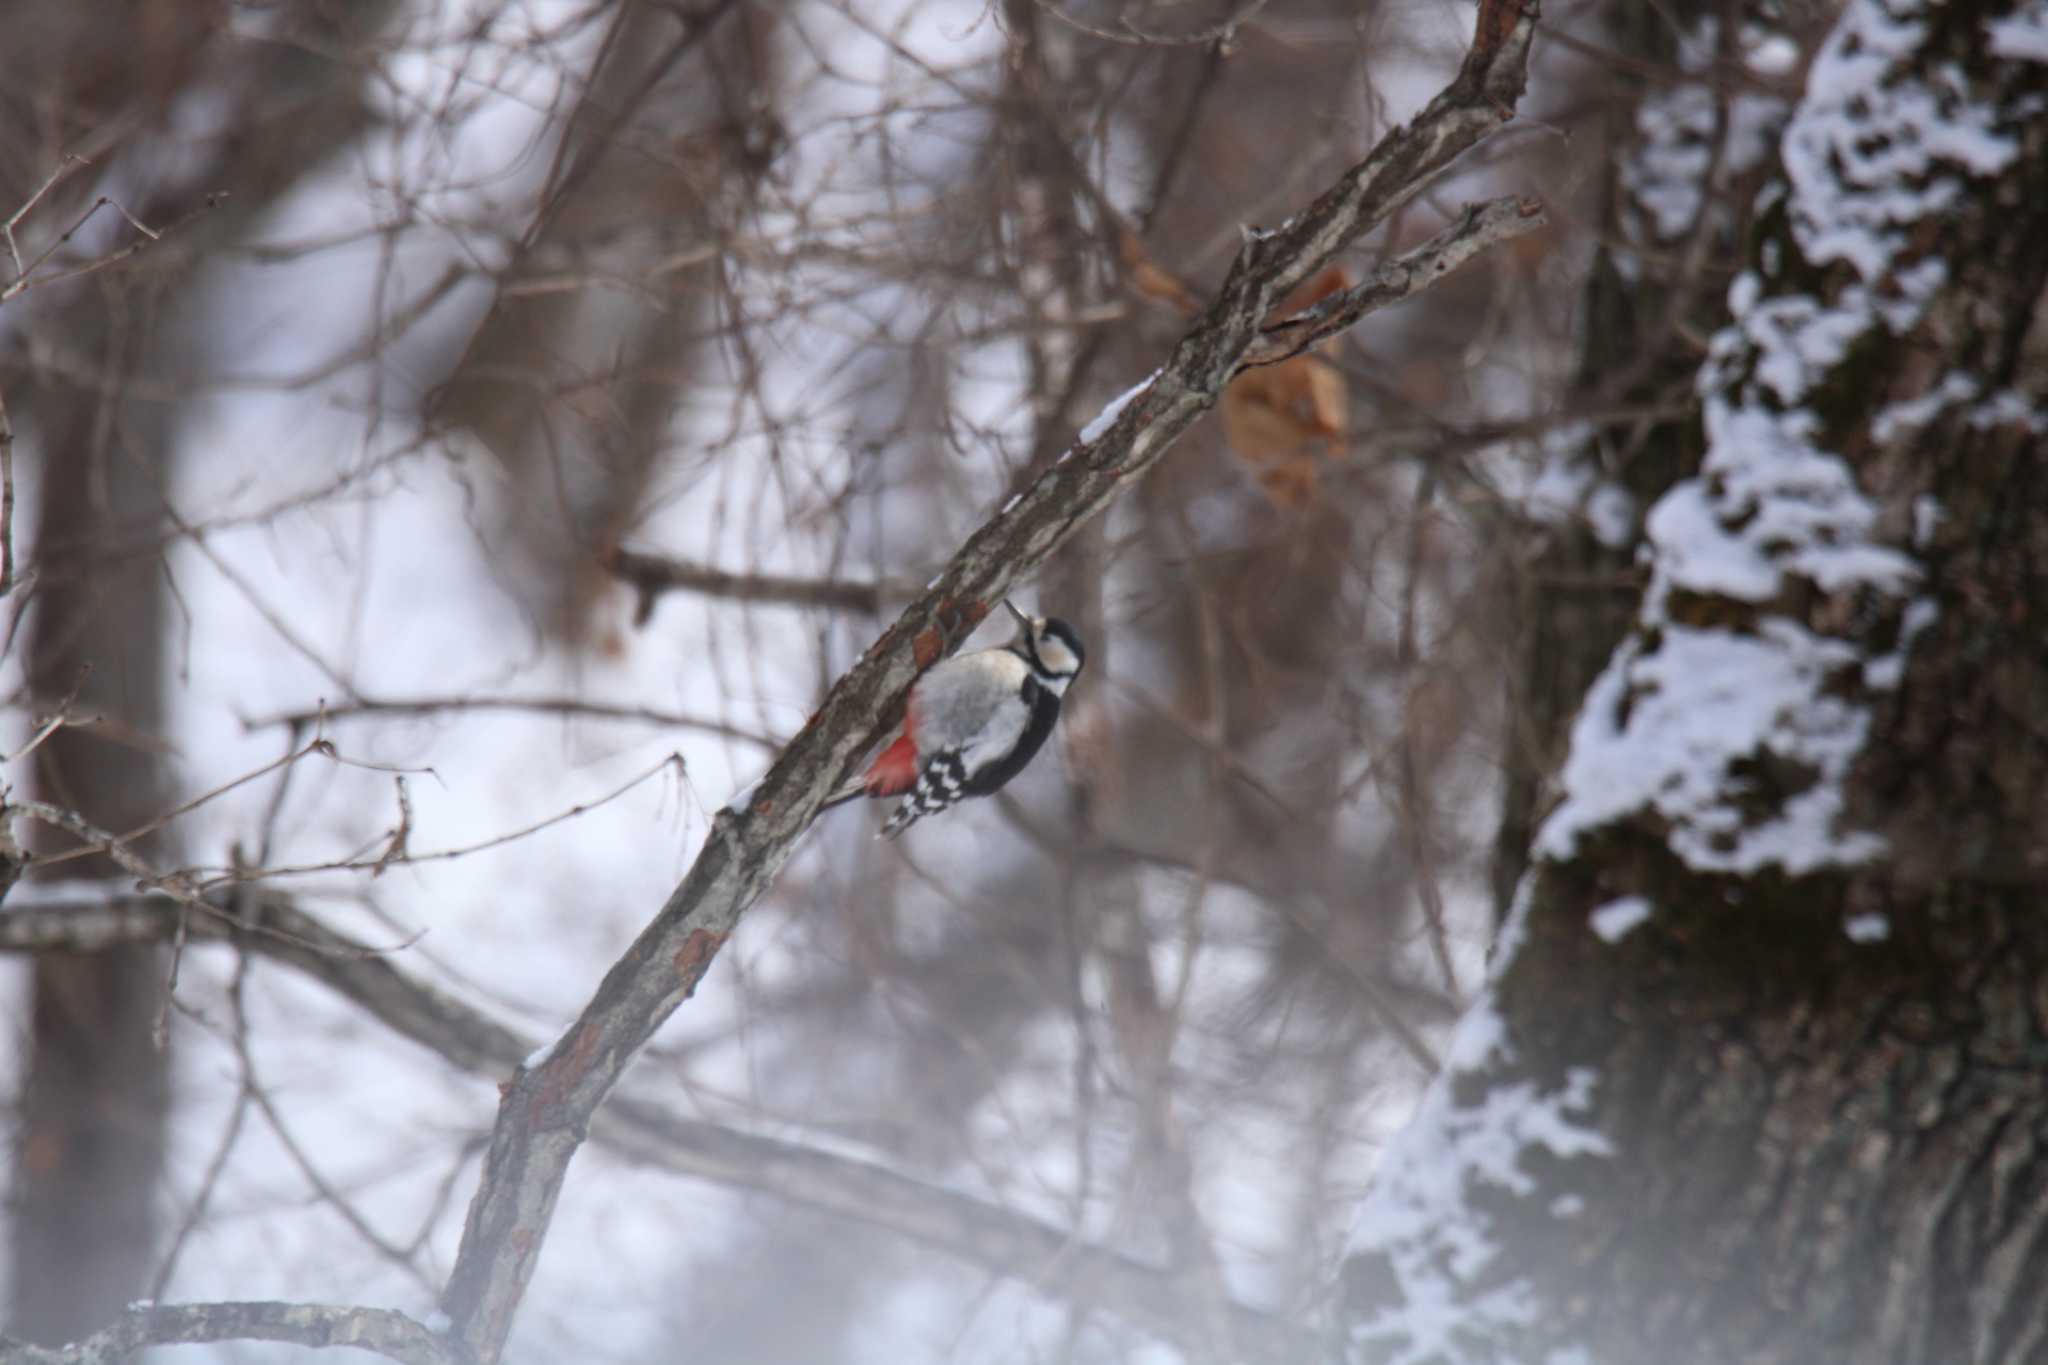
<point x="548" y="1108"/>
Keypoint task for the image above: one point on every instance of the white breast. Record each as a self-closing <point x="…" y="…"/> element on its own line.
<point x="971" y="704"/>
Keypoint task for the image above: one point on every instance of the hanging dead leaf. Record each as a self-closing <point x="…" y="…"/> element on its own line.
<point x="1275" y="416"/>
<point x="1277" y="411"/>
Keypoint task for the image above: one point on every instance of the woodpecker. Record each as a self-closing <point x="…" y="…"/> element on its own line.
<point x="973" y="722"/>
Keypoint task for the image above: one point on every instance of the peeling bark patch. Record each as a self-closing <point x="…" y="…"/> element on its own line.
<point x="566" y="1065"/>
<point x="953" y="621"/>
<point x="694" y="956"/>
<point x="1496" y="24"/>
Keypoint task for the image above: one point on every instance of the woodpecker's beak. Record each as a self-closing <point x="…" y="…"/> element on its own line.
<point x="1023" y="621"/>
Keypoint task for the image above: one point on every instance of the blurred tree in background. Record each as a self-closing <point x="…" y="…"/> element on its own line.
<point x="452" y="449"/>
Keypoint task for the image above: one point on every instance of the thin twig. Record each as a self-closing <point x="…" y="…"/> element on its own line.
<point x="319" y="746"/>
<point x="652" y="575"/>
<point x="58" y="719"/>
<point x="175" y="885"/>
<point x="1479" y="228"/>
<point x="69" y="163"/>
<point x="23" y="283"/>
<point x="238" y="876"/>
<point x="6" y="489"/>
<point x="113" y="845"/>
<point x="366" y="707"/>
<point x="400" y="836"/>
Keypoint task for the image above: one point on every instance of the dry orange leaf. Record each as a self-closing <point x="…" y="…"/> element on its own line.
<point x="1274" y="416"/>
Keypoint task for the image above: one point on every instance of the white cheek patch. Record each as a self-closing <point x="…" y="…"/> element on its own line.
<point x="1057" y="658"/>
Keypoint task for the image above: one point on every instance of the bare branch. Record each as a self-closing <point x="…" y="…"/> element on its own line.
<point x="364" y="707"/>
<point x="1479" y="228"/>
<point x="382" y="1331"/>
<point x="398" y="856"/>
<point x="652" y="575"/>
<point x="401" y="836"/>
<point x="149" y="237"/>
<point x="101" y="841"/>
<point x="548" y="1108"/>
<point x="6" y="491"/>
<point x="65" y="167"/>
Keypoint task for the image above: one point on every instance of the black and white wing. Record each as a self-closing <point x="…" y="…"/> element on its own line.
<point x="973" y="714"/>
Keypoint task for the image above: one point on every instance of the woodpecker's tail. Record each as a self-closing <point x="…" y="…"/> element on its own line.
<point x="900" y="819"/>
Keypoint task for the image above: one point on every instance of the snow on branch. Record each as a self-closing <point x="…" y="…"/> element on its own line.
<point x="548" y="1109"/>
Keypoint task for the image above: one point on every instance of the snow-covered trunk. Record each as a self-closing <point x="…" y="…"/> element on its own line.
<point x="1762" y="1074"/>
<point x="1685" y="156"/>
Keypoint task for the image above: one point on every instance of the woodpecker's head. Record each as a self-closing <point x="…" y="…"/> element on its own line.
<point x="1050" y="646"/>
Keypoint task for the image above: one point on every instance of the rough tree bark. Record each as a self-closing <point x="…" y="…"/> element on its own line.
<point x="1763" y="1071"/>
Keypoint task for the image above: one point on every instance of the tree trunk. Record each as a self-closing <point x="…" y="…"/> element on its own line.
<point x="97" y="1096"/>
<point x="1763" y="1071"/>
